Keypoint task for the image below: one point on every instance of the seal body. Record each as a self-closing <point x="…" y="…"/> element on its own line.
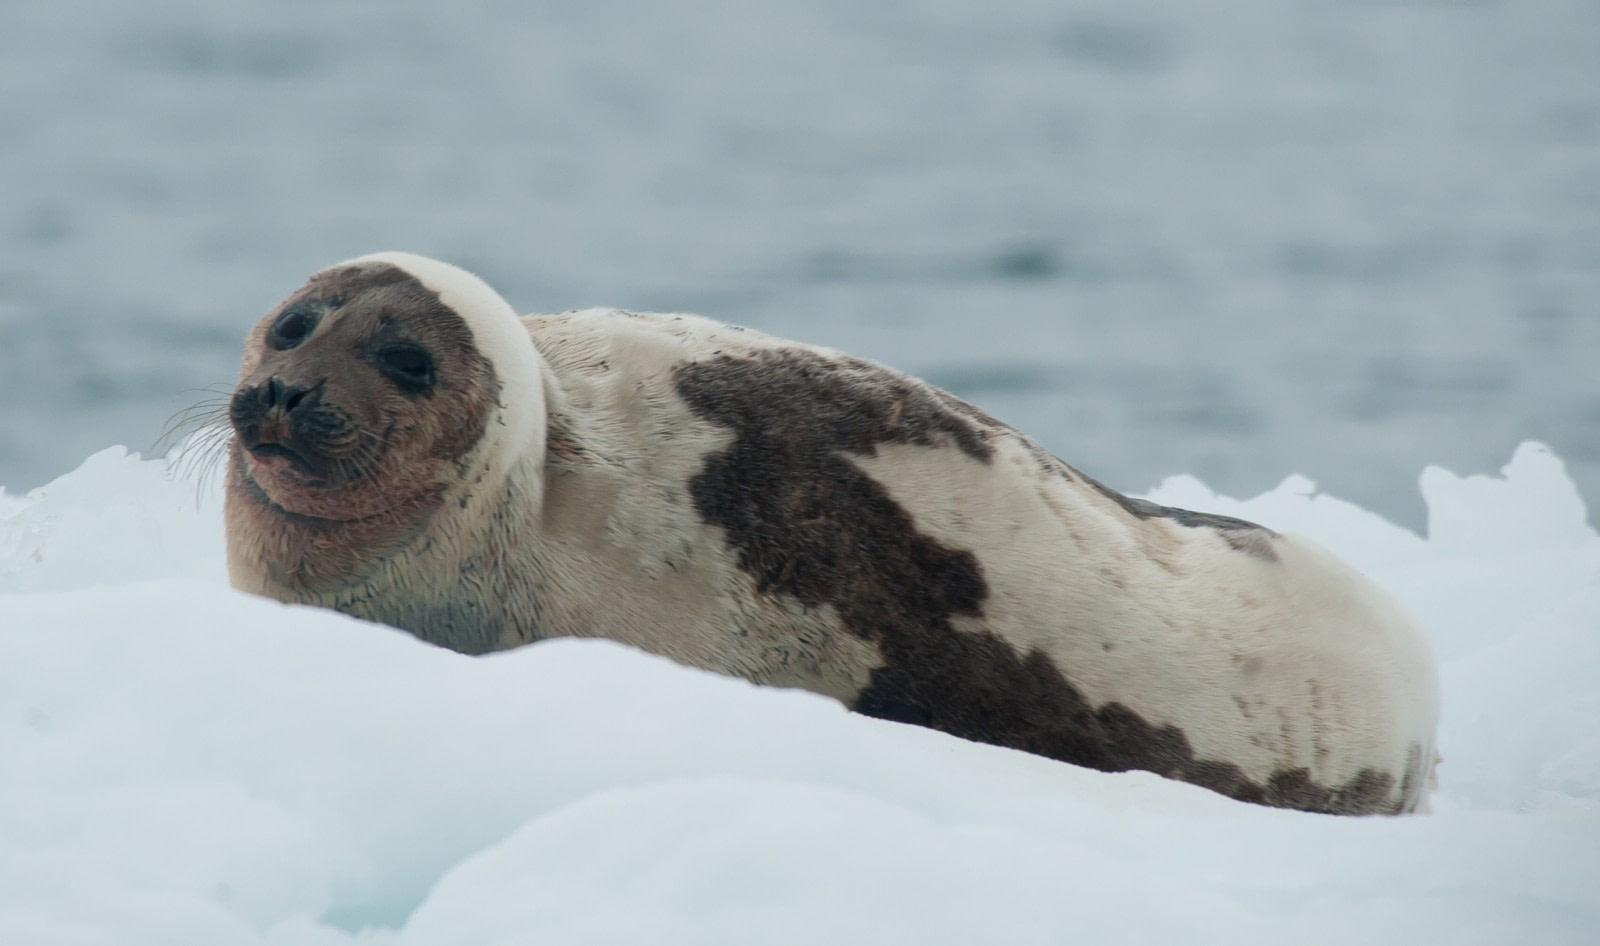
<point x="409" y="451"/>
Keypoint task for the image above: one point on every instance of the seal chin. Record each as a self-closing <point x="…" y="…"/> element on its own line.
<point x="276" y="481"/>
<point x="273" y="480"/>
<point x="285" y="482"/>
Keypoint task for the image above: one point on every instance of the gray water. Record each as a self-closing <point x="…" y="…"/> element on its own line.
<point x="1240" y="239"/>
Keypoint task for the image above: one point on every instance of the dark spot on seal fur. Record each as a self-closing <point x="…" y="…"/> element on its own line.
<point x="809" y="524"/>
<point x="804" y="519"/>
<point x="805" y="403"/>
<point x="976" y="686"/>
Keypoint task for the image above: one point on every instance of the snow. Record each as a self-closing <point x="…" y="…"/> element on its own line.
<point x="186" y="764"/>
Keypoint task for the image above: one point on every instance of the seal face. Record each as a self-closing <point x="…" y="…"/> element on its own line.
<point x="408" y="451"/>
<point x="360" y="396"/>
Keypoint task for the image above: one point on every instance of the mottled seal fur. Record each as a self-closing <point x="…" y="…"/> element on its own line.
<point x="409" y="451"/>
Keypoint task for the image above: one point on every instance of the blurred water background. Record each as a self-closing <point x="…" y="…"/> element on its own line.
<point x="1239" y="239"/>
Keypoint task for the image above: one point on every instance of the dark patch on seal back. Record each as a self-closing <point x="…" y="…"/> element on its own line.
<point x="812" y="404"/>
<point x="809" y="524"/>
<point x="804" y="519"/>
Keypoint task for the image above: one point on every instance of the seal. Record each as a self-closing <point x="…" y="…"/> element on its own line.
<point x="407" y="450"/>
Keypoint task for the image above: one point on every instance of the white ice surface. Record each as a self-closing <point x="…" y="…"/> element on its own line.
<point x="185" y="764"/>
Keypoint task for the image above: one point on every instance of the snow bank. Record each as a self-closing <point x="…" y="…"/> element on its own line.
<point x="184" y="764"/>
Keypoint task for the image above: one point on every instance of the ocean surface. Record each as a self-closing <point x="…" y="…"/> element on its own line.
<point x="1240" y="239"/>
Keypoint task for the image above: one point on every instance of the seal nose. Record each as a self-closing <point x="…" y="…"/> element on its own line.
<point x="281" y="394"/>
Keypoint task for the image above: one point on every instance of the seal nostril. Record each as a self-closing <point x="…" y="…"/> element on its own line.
<point x="276" y="393"/>
<point x="271" y="393"/>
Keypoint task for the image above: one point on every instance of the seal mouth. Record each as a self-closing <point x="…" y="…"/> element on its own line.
<point x="270" y="453"/>
<point x="325" y="511"/>
<point x="280" y="455"/>
<point x="286" y="430"/>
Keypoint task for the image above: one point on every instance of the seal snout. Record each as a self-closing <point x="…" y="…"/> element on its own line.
<point x="277" y="422"/>
<point x="277" y="393"/>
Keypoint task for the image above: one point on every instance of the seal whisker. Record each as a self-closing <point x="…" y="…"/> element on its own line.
<point x="206" y="413"/>
<point x="199" y="457"/>
<point x="194" y="438"/>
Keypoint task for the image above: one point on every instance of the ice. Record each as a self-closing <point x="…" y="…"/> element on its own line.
<point x="1533" y="503"/>
<point x="187" y="764"/>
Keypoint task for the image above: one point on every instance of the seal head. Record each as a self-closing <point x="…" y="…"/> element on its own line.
<point x="384" y="387"/>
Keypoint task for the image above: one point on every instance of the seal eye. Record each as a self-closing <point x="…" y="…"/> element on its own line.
<point x="291" y="328"/>
<point x="410" y="367"/>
